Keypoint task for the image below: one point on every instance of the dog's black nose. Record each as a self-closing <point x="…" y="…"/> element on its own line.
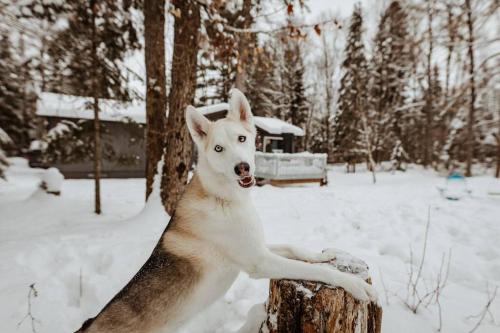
<point x="242" y="169"/>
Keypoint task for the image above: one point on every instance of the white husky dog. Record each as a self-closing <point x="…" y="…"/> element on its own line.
<point x="214" y="234"/>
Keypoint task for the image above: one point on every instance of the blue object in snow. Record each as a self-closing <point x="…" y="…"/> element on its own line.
<point x="455" y="175"/>
<point x="456" y="186"/>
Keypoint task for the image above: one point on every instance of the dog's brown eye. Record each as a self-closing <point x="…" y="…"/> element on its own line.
<point x="218" y="148"/>
<point x="242" y="138"/>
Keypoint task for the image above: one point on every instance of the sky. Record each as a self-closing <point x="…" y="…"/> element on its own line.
<point x="344" y="7"/>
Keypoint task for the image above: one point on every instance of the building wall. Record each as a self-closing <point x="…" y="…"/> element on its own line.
<point x="129" y="161"/>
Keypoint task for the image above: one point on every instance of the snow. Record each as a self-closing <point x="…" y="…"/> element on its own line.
<point x="60" y="129"/>
<point x="37" y="145"/>
<point x="277" y="126"/>
<point x="68" y="106"/>
<point x="4" y="137"/>
<point x="57" y="241"/>
<point x="52" y="179"/>
<point x="307" y="293"/>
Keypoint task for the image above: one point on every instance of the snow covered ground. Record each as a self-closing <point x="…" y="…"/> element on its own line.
<point x="78" y="261"/>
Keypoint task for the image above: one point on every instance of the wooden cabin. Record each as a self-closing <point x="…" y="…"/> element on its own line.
<point x="122" y="127"/>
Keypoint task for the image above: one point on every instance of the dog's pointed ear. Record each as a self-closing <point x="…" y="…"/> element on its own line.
<point x="197" y="124"/>
<point x="239" y="108"/>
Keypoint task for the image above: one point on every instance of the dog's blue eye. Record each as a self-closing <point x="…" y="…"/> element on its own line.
<point x="218" y="148"/>
<point x="242" y="138"/>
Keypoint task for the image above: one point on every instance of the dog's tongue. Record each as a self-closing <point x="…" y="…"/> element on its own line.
<point x="246" y="181"/>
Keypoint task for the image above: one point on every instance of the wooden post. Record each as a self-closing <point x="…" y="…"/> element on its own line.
<point x="309" y="307"/>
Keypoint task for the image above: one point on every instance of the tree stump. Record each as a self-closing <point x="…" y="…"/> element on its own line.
<point x="306" y="306"/>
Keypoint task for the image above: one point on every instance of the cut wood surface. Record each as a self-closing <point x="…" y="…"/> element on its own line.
<point x="306" y="306"/>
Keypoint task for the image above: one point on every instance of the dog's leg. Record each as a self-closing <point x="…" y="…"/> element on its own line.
<point x="297" y="253"/>
<point x="272" y="266"/>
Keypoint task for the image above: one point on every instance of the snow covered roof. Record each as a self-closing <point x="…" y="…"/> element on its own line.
<point x="270" y="125"/>
<point x="68" y="106"/>
<point x="277" y="126"/>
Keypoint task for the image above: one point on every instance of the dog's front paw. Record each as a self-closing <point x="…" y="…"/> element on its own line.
<point x="325" y="256"/>
<point x="359" y="289"/>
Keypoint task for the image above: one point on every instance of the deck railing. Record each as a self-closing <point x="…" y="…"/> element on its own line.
<point x="281" y="166"/>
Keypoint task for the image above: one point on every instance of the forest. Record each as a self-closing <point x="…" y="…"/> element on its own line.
<point x="394" y="103"/>
<point x="418" y="86"/>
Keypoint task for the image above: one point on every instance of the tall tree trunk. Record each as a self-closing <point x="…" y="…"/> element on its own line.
<point x="184" y="62"/>
<point x="97" y="125"/>
<point x="243" y="49"/>
<point x="470" y="124"/>
<point x="156" y="94"/>
<point x="429" y="105"/>
<point x="329" y="94"/>
<point x="42" y="63"/>
<point x="497" y="171"/>
<point x="450" y="25"/>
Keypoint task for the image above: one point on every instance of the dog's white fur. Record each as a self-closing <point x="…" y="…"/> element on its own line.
<point x="225" y="232"/>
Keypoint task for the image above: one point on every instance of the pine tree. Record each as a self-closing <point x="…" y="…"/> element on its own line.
<point x="391" y="65"/>
<point x="263" y="86"/>
<point x="225" y="53"/>
<point x="89" y="54"/>
<point x="71" y="49"/>
<point x="297" y="112"/>
<point x="14" y="115"/>
<point x="275" y="83"/>
<point x="352" y="94"/>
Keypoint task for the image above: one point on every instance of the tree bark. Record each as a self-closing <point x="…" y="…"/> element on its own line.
<point x="429" y="99"/>
<point x="156" y="94"/>
<point x="497" y="171"/>
<point x="309" y="307"/>
<point x="243" y="50"/>
<point x="97" y="125"/>
<point x="328" y="92"/>
<point x="178" y="144"/>
<point x="470" y="123"/>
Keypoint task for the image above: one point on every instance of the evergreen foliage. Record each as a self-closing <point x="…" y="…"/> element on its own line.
<point x="353" y="92"/>
<point x="16" y="96"/>
<point x="71" y="48"/>
<point x="391" y="66"/>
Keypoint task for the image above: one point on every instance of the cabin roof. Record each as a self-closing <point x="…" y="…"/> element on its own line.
<point x="69" y="106"/>
<point x="268" y="124"/>
<point x="277" y="126"/>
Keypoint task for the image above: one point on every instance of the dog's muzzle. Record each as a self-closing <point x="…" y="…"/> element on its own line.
<point x="246" y="181"/>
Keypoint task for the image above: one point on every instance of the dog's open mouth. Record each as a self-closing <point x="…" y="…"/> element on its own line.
<point x="246" y="181"/>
